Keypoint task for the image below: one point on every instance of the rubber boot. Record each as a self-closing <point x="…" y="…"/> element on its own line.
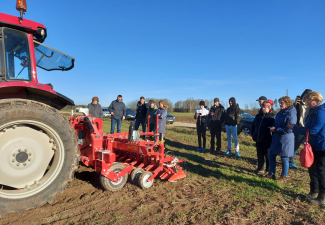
<point x="320" y="200"/>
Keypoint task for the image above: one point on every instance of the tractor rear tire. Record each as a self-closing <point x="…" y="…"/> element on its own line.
<point x="109" y="185"/>
<point x="135" y="175"/>
<point x="143" y="180"/>
<point x="30" y="132"/>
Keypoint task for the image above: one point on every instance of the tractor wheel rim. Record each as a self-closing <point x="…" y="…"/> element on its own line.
<point x="35" y="152"/>
<point x="147" y="184"/>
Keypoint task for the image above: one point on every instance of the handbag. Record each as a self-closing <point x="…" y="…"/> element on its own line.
<point x="306" y="154"/>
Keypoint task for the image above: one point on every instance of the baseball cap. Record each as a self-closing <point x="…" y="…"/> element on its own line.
<point x="262" y="98"/>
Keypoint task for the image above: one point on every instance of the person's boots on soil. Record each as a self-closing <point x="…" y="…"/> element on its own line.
<point x="312" y="195"/>
<point x="282" y="179"/>
<point x="319" y="200"/>
<point x="269" y="176"/>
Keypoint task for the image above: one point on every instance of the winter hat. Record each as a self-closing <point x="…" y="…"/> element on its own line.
<point x="151" y="101"/>
<point x="202" y="103"/>
<point x="270" y="101"/>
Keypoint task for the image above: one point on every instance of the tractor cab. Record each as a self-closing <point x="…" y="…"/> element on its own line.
<point x="21" y="51"/>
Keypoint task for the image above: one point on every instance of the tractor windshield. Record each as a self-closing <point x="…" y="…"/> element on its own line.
<point x="17" y="55"/>
<point x="50" y="59"/>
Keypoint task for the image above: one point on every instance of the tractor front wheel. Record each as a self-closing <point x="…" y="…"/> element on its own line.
<point x="38" y="154"/>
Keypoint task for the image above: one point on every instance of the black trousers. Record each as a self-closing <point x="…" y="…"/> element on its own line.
<point x="317" y="173"/>
<point x="263" y="155"/>
<point x="215" y="132"/>
<point x="201" y="132"/>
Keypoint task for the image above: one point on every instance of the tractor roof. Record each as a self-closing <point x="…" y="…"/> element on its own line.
<point x="13" y="22"/>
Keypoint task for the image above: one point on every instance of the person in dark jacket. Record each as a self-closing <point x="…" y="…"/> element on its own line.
<point x="316" y="125"/>
<point x="162" y="113"/>
<point x="232" y="119"/>
<point x="141" y="115"/>
<point x="282" y="138"/>
<point x="118" y="112"/>
<point x="303" y="111"/>
<point x="215" y="119"/>
<point x="262" y="136"/>
<point x="151" y="112"/>
<point x="201" y="115"/>
<point x="95" y="109"/>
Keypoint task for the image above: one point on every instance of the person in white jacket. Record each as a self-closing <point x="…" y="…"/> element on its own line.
<point x="201" y="114"/>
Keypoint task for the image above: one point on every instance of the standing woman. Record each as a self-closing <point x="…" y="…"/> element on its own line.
<point x="95" y="109"/>
<point x="201" y="114"/>
<point x="162" y="112"/>
<point x="316" y="125"/>
<point x="262" y="136"/>
<point x="282" y="138"/>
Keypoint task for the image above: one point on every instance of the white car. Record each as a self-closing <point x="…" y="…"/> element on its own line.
<point x="106" y="113"/>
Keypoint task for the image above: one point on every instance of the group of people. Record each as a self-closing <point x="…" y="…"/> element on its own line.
<point x="118" y="113"/>
<point x="275" y="135"/>
<point x="213" y="120"/>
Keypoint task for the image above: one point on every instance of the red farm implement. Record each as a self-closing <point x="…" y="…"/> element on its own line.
<point x="115" y="156"/>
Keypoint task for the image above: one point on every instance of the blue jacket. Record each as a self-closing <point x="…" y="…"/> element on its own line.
<point x="316" y="126"/>
<point x="162" y="119"/>
<point x="283" y="139"/>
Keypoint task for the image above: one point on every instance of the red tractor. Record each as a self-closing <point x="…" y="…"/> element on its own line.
<point x="39" y="148"/>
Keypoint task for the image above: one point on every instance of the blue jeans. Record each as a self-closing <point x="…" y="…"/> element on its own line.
<point x="119" y="124"/>
<point x="299" y="139"/>
<point x="142" y="122"/>
<point x="232" y="131"/>
<point x="285" y="164"/>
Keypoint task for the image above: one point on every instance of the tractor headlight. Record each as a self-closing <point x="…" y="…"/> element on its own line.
<point x="40" y="34"/>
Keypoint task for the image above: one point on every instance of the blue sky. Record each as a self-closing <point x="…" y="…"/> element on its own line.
<point x="179" y="49"/>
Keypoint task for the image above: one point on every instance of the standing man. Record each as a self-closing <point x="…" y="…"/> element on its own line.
<point x="95" y="109"/>
<point x="141" y="115"/>
<point x="232" y="119"/>
<point x="201" y="114"/>
<point x="261" y="100"/>
<point x="303" y="111"/>
<point x="118" y="111"/>
<point x="217" y="117"/>
<point x="151" y="112"/>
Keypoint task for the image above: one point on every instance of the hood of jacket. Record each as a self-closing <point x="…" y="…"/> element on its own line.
<point x="233" y="100"/>
<point x="139" y="103"/>
<point x="287" y="110"/>
<point x="320" y="107"/>
<point x="165" y="107"/>
<point x="217" y="107"/>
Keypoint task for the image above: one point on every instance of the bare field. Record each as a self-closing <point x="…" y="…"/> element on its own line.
<point x="217" y="190"/>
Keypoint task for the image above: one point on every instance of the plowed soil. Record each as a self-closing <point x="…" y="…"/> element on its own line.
<point x="217" y="190"/>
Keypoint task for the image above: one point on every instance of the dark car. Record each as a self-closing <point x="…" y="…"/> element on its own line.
<point x="170" y="119"/>
<point x="130" y="114"/>
<point x="245" y="123"/>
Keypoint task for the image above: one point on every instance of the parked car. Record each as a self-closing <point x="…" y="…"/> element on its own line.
<point x="130" y="114"/>
<point x="106" y="113"/>
<point x="245" y="123"/>
<point x="170" y="119"/>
